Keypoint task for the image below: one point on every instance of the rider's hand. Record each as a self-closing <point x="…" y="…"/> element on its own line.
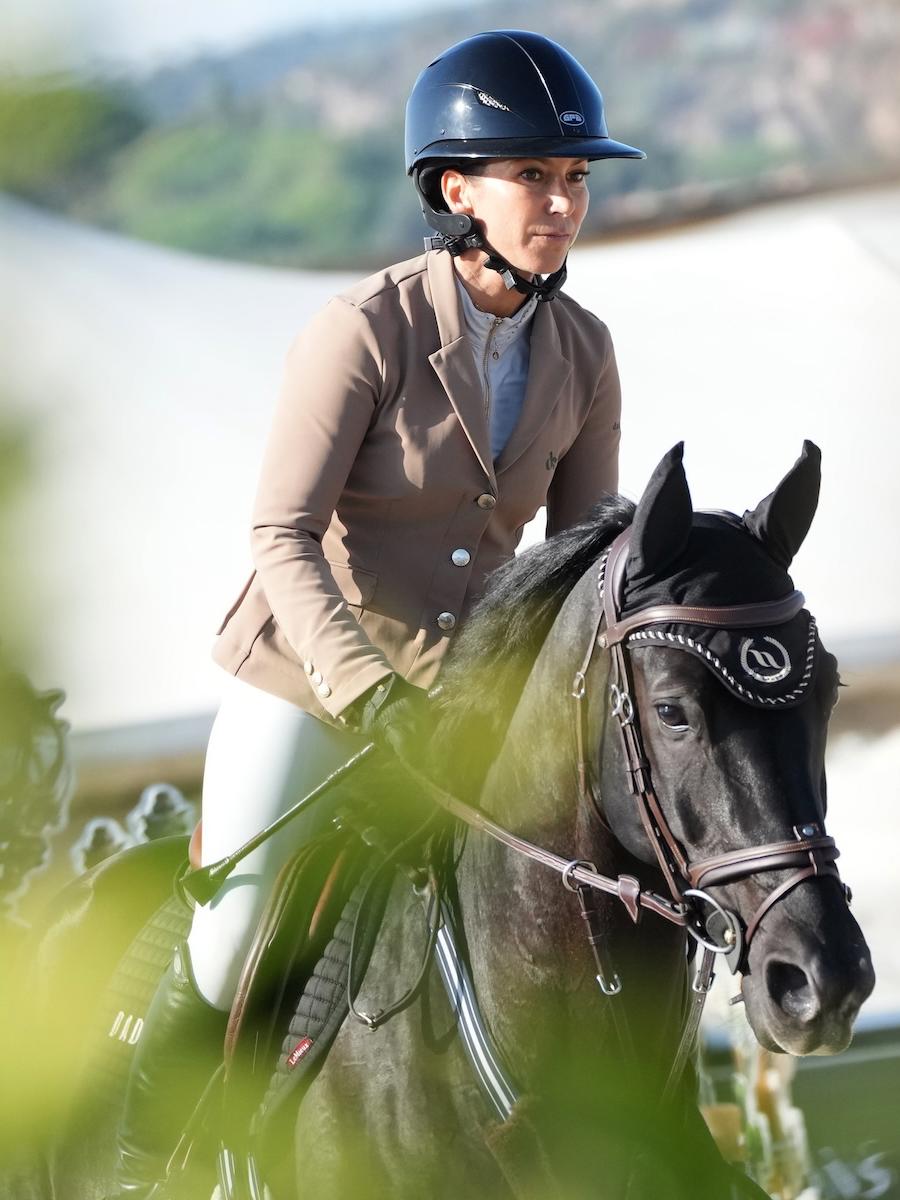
<point x="394" y="714"/>
<point x="397" y="713"/>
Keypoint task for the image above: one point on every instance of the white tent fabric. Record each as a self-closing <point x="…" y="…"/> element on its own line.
<point x="151" y="375"/>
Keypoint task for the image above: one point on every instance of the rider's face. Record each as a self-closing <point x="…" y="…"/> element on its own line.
<point x="530" y="209"/>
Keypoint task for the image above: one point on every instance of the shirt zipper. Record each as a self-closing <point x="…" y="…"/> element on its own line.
<point x="495" y="324"/>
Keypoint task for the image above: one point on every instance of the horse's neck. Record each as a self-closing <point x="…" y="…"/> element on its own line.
<point x="532" y="785"/>
<point x="508" y="900"/>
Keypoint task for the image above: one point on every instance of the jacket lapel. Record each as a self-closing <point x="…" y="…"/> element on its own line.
<point x="548" y="374"/>
<point x="454" y="362"/>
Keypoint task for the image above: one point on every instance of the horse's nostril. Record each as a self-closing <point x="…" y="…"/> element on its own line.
<point x="790" y="988"/>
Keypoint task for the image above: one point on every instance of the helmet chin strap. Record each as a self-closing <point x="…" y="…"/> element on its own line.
<point x="457" y="232"/>
<point x="547" y="289"/>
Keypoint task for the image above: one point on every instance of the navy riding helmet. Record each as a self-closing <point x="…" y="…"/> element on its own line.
<point x="504" y="94"/>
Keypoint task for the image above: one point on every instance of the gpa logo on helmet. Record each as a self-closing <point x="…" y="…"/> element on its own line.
<point x="570" y="117"/>
<point x="765" y="666"/>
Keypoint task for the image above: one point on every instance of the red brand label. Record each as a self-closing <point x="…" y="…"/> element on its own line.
<point x="299" y="1051"/>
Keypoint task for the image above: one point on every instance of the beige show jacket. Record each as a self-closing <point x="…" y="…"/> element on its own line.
<point x="380" y="511"/>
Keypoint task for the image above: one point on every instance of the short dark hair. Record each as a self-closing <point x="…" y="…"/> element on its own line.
<point x="432" y="173"/>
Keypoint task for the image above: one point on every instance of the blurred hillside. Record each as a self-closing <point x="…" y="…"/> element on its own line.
<point x="290" y="152"/>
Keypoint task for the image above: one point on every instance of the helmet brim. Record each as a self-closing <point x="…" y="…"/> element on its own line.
<point x="591" y="148"/>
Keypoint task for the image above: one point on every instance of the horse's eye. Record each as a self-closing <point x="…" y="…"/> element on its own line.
<point x="672" y="716"/>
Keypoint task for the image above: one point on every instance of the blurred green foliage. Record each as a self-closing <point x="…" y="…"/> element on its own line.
<point x="58" y="138"/>
<point x="273" y="194"/>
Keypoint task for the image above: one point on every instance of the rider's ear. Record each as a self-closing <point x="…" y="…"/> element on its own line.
<point x="782" y="520"/>
<point x="662" y="519"/>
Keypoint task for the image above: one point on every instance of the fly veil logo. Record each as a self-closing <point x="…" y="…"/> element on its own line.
<point x="765" y="665"/>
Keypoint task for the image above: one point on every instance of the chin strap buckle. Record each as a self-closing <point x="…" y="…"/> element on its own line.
<point x="454" y="245"/>
<point x="547" y="289"/>
<point x="494" y="262"/>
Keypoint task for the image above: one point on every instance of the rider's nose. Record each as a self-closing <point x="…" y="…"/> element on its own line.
<point x="561" y="202"/>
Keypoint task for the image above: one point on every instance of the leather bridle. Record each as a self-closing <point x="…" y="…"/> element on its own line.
<point x="716" y="929"/>
<point x="809" y="850"/>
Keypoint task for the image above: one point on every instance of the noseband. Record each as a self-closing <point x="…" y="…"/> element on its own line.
<point x="719" y="930"/>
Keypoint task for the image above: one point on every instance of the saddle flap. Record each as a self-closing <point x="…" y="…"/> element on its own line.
<point x="292" y="996"/>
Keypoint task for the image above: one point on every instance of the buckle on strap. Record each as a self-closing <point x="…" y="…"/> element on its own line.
<point x="621" y="704"/>
<point x="720" y="923"/>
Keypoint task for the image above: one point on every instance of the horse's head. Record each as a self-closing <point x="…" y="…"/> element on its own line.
<point x="732" y="711"/>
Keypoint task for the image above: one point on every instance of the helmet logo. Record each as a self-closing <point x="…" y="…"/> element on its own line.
<point x="489" y="101"/>
<point x="570" y="117"/>
<point x="766" y="667"/>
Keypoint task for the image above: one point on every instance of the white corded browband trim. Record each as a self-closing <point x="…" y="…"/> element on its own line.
<point x="678" y="639"/>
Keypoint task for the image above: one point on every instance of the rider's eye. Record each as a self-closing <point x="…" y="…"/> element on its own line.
<point x="672" y="716"/>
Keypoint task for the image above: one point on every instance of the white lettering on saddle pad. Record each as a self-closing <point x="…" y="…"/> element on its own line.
<point x="302" y="1048"/>
<point x="126" y="1027"/>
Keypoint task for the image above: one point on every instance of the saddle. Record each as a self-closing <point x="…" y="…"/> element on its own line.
<point x="307" y="960"/>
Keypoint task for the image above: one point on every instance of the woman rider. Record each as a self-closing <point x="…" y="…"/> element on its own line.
<point x="427" y="413"/>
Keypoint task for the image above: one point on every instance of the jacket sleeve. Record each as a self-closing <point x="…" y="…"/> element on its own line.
<point x="331" y="386"/>
<point x="589" y="469"/>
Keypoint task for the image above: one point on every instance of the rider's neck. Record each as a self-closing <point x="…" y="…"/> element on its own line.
<point x="485" y="287"/>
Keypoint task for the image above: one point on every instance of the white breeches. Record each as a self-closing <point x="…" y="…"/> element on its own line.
<point x="264" y="754"/>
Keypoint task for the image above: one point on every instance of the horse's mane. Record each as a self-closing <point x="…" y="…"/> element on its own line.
<point x="490" y="661"/>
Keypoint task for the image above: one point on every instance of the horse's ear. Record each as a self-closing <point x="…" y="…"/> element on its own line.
<point x="662" y="519"/>
<point x="782" y="520"/>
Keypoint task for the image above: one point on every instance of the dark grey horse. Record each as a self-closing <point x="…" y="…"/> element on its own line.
<point x="398" y="1113"/>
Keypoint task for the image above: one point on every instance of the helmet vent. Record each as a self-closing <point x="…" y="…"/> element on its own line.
<point x="490" y="102"/>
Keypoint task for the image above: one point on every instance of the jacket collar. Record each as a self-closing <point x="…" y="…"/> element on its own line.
<point x="454" y="365"/>
<point x="453" y="362"/>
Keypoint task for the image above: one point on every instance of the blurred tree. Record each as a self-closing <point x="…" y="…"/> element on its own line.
<point x="274" y="193"/>
<point x="58" y="138"/>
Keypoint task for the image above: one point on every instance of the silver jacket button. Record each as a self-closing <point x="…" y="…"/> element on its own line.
<point x="307" y="666"/>
<point x="461" y="558"/>
<point x="446" y="620"/>
<point x="486" y="500"/>
<point x="324" y="690"/>
<point x="316" y="677"/>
